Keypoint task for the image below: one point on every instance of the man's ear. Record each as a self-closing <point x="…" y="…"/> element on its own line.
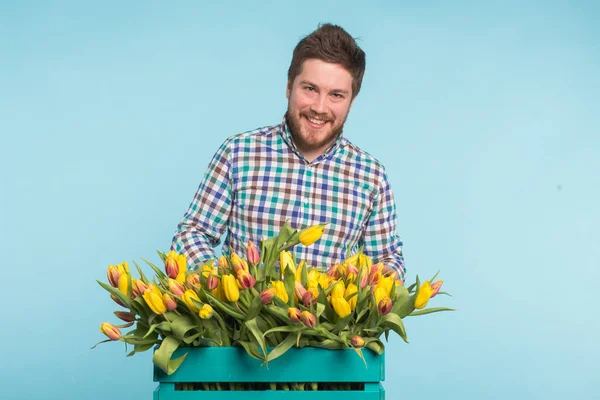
<point x="288" y="90"/>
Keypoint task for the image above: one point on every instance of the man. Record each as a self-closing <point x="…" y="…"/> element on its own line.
<point x="302" y="170"/>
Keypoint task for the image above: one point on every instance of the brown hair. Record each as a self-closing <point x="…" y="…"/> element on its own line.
<point x="332" y="44"/>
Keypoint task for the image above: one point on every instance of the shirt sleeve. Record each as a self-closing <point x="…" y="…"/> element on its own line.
<point x="381" y="241"/>
<point x="202" y="226"/>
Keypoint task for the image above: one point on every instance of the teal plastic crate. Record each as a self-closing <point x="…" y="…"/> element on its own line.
<point x="232" y="364"/>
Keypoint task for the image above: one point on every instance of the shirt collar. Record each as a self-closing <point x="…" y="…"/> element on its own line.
<point x="332" y="150"/>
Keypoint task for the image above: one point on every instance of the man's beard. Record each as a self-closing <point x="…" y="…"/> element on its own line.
<point x="293" y="122"/>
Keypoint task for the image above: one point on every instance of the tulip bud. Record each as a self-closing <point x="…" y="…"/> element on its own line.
<point x="308" y="298"/>
<point x="308" y="319"/>
<point x="299" y="290"/>
<point x="341" y="306"/>
<point x="206" y="311"/>
<point x="311" y="234"/>
<point x="212" y="282"/>
<point x="351" y="289"/>
<point x="239" y="265"/>
<point x="154" y="300"/>
<point x="357" y="341"/>
<point x="111" y="331"/>
<point x="384" y="306"/>
<point x="252" y="253"/>
<point x="223" y="264"/>
<point x="280" y="291"/>
<point x="425" y="293"/>
<point x="116" y="300"/>
<point x="175" y="287"/>
<point x="125" y="316"/>
<point x="171" y="266"/>
<point x="286" y="261"/>
<point x="294" y="314"/>
<point x="113" y="275"/>
<point x="325" y="280"/>
<point x="266" y="296"/>
<point x="313" y="276"/>
<point x="436" y="286"/>
<point x="187" y="298"/>
<point x="137" y="287"/>
<point x="230" y="287"/>
<point x="351" y="272"/>
<point x="123" y="284"/>
<point x="246" y="280"/>
<point x="333" y="272"/>
<point x="193" y="281"/>
<point x="169" y="301"/>
<point x="364" y="277"/>
<point x="338" y="290"/>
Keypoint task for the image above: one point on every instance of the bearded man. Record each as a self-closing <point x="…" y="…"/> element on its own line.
<point x="303" y="170"/>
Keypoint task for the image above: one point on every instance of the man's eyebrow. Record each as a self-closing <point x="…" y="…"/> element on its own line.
<point x="305" y="82"/>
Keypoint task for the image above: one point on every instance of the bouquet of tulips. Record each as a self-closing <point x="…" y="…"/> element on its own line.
<point x="249" y="302"/>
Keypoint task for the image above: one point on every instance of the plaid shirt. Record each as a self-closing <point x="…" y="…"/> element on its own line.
<point x="257" y="180"/>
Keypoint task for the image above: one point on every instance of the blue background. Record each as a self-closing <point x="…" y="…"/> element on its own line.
<point x="482" y="112"/>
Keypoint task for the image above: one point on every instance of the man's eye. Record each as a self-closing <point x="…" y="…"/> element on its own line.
<point x="337" y="95"/>
<point x="309" y="88"/>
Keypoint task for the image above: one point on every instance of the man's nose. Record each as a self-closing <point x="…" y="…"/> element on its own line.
<point x="319" y="106"/>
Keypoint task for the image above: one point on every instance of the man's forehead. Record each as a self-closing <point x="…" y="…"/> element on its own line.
<point x="324" y="74"/>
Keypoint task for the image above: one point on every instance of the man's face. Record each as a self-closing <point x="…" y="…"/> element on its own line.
<point x="319" y="100"/>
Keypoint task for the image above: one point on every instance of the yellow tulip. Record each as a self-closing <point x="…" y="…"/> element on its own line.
<point x="325" y="280"/>
<point x="171" y="265"/>
<point x="384" y="306"/>
<point x="308" y="319"/>
<point x="239" y="264"/>
<point x="230" y="287"/>
<point x="219" y="293"/>
<point x="380" y="293"/>
<point x="206" y="311"/>
<point x="341" y="306"/>
<point x="425" y="293"/>
<point x="154" y="301"/>
<point x="123" y="283"/>
<point x="313" y="276"/>
<point x="351" y="289"/>
<point x="193" y="281"/>
<point x="386" y="283"/>
<point x="294" y="314"/>
<point x="286" y="261"/>
<point x="280" y="290"/>
<point x="311" y="234"/>
<point x="187" y="298"/>
<point x="338" y="290"/>
<point x="299" y="269"/>
<point x="175" y="287"/>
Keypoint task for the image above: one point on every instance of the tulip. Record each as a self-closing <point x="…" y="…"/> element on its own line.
<point x="311" y="295"/>
<point x="379" y="293"/>
<point x="338" y="290"/>
<point x="280" y="290"/>
<point x="351" y="289"/>
<point x="187" y="298"/>
<point x="246" y="280"/>
<point x="207" y="270"/>
<point x="113" y="275"/>
<point x="171" y="265"/>
<point x="308" y="319"/>
<point x="206" y="311"/>
<point x="212" y="282"/>
<point x="294" y="314"/>
<point x="123" y="283"/>
<point x="219" y="293"/>
<point x="340" y="306"/>
<point x="436" y="286"/>
<point x="154" y="300"/>
<point x="299" y="269"/>
<point x="111" y="331"/>
<point x="286" y="261"/>
<point x="313" y="276"/>
<point x="364" y="277"/>
<point x="375" y="273"/>
<point x="223" y="264"/>
<point x="175" y="287"/>
<point x="230" y="287"/>
<point x="386" y="283"/>
<point x="310" y="235"/>
<point x="333" y="272"/>
<point x="325" y="280"/>
<point x="357" y="341"/>
<point x="193" y="281"/>
<point x="384" y="306"/>
<point x="299" y="290"/>
<point x="351" y="272"/>
<point x="425" y="293"/>
<point x="266" y="296"/>
<point x="125" y="316"/>
<point x="169" y="301"/>
<point x="137" y="287"/>
<point x="116" y="300"/>
<point x="239" y="265"/>
<point x="252" y="253"/>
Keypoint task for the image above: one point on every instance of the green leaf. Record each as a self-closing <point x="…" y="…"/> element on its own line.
<point x="253" y="327"/>
<point x="430" y="310"/>
<point x="327" y="344"/>
<point x="161" y="275"/>
<point x="282" y="347"/>
<point x="103" y="341"/>
<point x="142" y="276"/>
<point x="435" y="276"/>
<point x="252" y="349"/>
<point x="360" y="354"/>
<point x="162" y="356"/>
<point x="225" y="307"/>
<point x="293" y="328"/>
<point x="394" y="322"/>
<point x="123" y="298"/>
<point x="254" y="308"/>
<point x="375" y="345"/>
<point x="290" y="283"/>
<point x="182" y="326"/>
<point x="138" y="348"/>
<point x="162" y="326"/>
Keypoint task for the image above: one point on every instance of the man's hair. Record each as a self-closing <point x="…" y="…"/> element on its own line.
<point x="332" y="44"/>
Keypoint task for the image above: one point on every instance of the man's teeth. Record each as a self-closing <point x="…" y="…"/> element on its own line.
<point x="316" y="121"/>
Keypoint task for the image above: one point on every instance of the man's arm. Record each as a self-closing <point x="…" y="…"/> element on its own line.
<point x="205" y="221"/>
<point x="381" y="242"/>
